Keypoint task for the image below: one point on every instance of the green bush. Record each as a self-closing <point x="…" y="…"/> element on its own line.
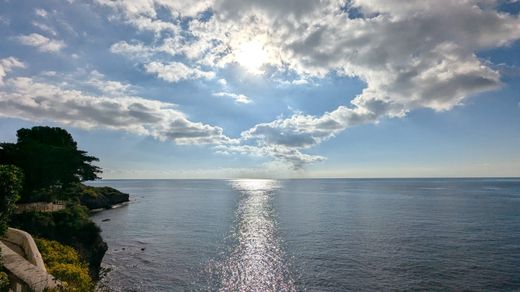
<point x="11" y="181"/>
<point x="64" y="263"/>
<point x="4" y="280"/>
<point x="71" y="226"/>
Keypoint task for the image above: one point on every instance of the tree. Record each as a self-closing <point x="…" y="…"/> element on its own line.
<point x="11" y="178"/>
<point x="49" y="158"/>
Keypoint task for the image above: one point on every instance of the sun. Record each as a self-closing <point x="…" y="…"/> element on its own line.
<point x="252" y="56"/>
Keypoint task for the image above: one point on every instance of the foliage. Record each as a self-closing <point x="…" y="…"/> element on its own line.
<point x="50" y="160"/>
<point x="4" y="280"/>
<point x="100" y="197"/>
<point x="11" y="179"/>
<point x="67" y="226"/>
<point x="71" y="226"/>
<point x="64" y="263"/>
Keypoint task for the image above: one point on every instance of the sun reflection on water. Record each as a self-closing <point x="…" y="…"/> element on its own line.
<point x="256" y="261"/>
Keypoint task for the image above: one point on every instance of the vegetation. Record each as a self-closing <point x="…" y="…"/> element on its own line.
<point x="50" y="160"/>
<point x="70" y="226"/>
<point x="11" y="179"/>
<point x="100" y="197"/>
<point x="64" y="263"/>
<point x="45" y="165"/>
<point x="4" y="280"/>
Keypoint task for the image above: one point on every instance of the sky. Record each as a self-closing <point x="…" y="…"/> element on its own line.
<point x="269" y="89"/>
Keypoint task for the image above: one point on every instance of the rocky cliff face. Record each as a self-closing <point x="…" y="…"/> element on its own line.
<point x="94" y="253"/>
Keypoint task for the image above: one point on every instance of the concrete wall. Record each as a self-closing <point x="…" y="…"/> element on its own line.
<point x="24" y="274"/>
<point x="26" y="242"/>
<point x="39" y="207"/>
<point x="27" y="272"/>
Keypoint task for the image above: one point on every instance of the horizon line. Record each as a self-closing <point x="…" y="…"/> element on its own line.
<point x="316" y="178"/>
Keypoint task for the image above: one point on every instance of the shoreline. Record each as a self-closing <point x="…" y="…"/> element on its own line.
<point x="115" y="206"/>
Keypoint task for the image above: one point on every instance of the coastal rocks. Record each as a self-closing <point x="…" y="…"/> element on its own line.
<point x="102" y="197"/>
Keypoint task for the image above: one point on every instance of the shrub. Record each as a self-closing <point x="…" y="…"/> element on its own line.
<point x="11" y="180"/>
<point x="57" y="253"/>
<point x="70" y="226"/>
<point x="64" y="263"/>
<point x="4" y="280"/>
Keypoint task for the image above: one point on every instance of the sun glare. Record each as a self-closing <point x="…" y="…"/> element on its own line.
<point x="251" y="56"/>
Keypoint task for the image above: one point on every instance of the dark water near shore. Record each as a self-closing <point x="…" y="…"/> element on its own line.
<point x="314" y="235"/>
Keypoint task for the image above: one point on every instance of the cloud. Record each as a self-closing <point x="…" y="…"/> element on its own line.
<point x="143" y="15"/>
<point x="42" y="43"/>
<point x="134" y="49"/>
<point x="44" y="28"/>
<point x="285" y="138"/>
<point x="32" y="100"/>
<point x="175" y="71"/>
<point x="410" y="55"/>
<point x="110" y="87"/>
<point x="41" y="12"/>
<point x="290" y="156"/>
<point x="7" y="65"/>
<point x="129" y="10"/>
<point x="239" y="98"/>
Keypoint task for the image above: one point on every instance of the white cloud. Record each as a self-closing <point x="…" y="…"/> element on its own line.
<point x="26" y="98"/>
<point x="42" y="43"/>
<point x="44" y="28"/>
<point x="291" y="156"/>
<point x="136" y="8"/>
<point x="7" y="65"/>
<point x="239" y="98"/>
<point x="110" y="87"/>
<point x="41" y="12"/>
<point x="131" y="49"/>
<point x="412" y="54"/>
<point x="176" y="71"/>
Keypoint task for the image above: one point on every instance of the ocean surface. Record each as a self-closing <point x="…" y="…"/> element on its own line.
<point x="313" y="235"/>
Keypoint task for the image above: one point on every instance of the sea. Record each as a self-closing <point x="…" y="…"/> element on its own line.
<point x="313" y="235"/>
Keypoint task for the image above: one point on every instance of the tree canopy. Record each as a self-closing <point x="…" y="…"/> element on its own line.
<point x="49" y="158"/>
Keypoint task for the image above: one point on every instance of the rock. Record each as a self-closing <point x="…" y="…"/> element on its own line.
<point x="95" y="254"/>
<point x="101" y="197"/>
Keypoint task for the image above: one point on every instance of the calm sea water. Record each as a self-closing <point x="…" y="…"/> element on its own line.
<point x="314" y="235"/>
